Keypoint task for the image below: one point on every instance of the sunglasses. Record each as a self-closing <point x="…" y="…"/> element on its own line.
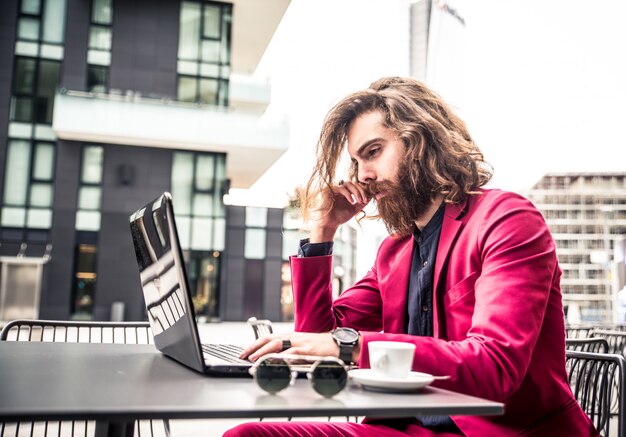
<point x="273" y="373"/>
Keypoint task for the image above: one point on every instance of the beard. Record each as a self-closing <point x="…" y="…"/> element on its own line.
<point x="403" y="202"/>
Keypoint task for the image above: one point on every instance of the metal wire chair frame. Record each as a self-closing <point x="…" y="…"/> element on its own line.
<point x="598" y="384"/>
<point x="593" y="344"/>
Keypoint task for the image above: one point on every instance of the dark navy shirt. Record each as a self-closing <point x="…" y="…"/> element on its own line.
<point x="420" y="295"/>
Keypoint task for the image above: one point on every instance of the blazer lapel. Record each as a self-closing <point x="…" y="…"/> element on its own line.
<point x="394" y="310"/>
<point x="449" y="230"/>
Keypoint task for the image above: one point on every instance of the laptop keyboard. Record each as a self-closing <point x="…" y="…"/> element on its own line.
<point x="226" y="352"/>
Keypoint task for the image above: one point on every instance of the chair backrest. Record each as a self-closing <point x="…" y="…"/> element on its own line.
<point x="261" y="328"/>
<point x="78" y="332"/>
<point x="578" y="331"/>
<point x="616" y="340"/>
<point x="597" y="381"/>
<point x="594" y="344"/>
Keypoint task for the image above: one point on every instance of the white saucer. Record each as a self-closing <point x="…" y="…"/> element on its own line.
<point x="371" y="380"/>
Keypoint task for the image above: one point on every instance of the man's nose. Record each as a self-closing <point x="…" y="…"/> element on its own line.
<point x="366" y="174"/>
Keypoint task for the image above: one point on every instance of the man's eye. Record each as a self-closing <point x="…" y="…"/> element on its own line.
<point x="373" y="152"/>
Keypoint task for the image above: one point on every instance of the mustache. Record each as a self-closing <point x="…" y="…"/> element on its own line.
<point x="375" y="187"/>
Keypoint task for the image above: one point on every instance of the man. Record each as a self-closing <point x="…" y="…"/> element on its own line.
<point x="469" y="275"/>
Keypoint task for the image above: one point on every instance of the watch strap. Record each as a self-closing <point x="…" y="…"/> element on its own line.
<point x="345" y="352"/>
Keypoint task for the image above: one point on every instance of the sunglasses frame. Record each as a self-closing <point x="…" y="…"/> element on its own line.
<point x="293" y="372"/>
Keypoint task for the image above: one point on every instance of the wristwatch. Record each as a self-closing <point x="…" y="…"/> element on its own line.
<point x="346" y="339"/>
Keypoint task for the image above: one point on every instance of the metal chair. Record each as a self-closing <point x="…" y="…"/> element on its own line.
<point x="615" y="339"/>
<point x="78" y="332"/>
<point x="261" y="328"/>
<point x="598" y="384"/>
<point x="595" y="345"/>
<point x="578" y="331"/>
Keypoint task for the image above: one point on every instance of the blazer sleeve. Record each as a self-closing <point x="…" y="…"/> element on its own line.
<point x="359" y="307"/>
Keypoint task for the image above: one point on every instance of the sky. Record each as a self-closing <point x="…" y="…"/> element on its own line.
<point x="540" y="83"/>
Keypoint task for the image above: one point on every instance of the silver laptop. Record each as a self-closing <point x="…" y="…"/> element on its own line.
<point x="167" y="295"/>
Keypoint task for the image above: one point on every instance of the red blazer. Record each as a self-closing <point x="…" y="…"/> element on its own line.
<point x="498" y="316"/>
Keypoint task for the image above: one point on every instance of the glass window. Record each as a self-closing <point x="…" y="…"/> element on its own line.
<point x="17" y="173"/>
<point x="24" y="76"/>
<point x="208" y="90"/>
<point x="256" y="217"/>
<point x="202" y="232"/>
<point x="44" y="162"/>
<point x="203" y="205"/>
<point x="182" y="182"/>
<point x="204" y="37"/>
<point x="100" y="38"/>
<point x="15" y="217"/>
<point x="205" y="172"/>
<point x="22" y="109"/>
<point x="97" y="78"/>
<point x="48" y="80"/>
<point x="84" y="281"/>
<point x="54" y="21"/>
<point x="90" y="189"/>
<point x="48" y="77"/>
<point x="31" y="7"/>
<point x="187" y="89"/>
<point x="197" y="201"/>
<point x="28" y="28"/>
<point x="189" y="35"/>
<point x="211" y="24"/>
<point x="101" y="12"/>
<point x="100" y="41"/>
<point x="255" y="243"/>
<point x="89" y="197"/>
<point x="226" y="31"/>
<point x="92" y="165"/>
<point x="39" y="218"/>
<point x="211" y="51"/>
<point x="41" y="195"/>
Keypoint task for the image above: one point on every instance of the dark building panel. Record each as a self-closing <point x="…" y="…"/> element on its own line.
<point x="274" y="244"/>
<point x="56" y="291"/>
<point x="275" y="218"/>
<point x="253" y="288"/>
<point x="272" y="287"/>
<point x="232" y="286"/>
<point x="76" y="40"/>
<point x="236" y="217"/>
<point x="132" y="177"/>
<point x="145" y="47"/>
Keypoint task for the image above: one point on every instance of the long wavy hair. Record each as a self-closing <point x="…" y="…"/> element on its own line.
<point x="437" y="141"/>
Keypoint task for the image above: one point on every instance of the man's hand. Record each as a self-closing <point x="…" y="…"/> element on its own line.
<point x="339" y="204"/>
<point x="302" y="343"/>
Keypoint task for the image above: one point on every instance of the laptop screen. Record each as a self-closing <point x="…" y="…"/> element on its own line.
<point x="164" y="282"/>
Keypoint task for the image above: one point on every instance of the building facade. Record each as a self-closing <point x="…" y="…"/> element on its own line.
<point x="104" y="104"/>
<point x="586" y="213"/>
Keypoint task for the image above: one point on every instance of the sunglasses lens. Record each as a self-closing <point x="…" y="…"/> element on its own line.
<point x="273" y="375"/>
<point x="328" y="378"/>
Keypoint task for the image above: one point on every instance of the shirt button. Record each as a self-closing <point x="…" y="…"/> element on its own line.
<point x="425" y="264"/>
<point x="425" y="308"/>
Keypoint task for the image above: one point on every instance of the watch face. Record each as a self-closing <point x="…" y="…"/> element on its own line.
<point x="346" y="335"/>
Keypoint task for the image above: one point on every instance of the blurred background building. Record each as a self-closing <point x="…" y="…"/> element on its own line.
<point x="586" y="213"/>
<point x="103" y="105"/>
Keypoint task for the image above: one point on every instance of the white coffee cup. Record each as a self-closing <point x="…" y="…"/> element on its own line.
<point x="391" y="359"/>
